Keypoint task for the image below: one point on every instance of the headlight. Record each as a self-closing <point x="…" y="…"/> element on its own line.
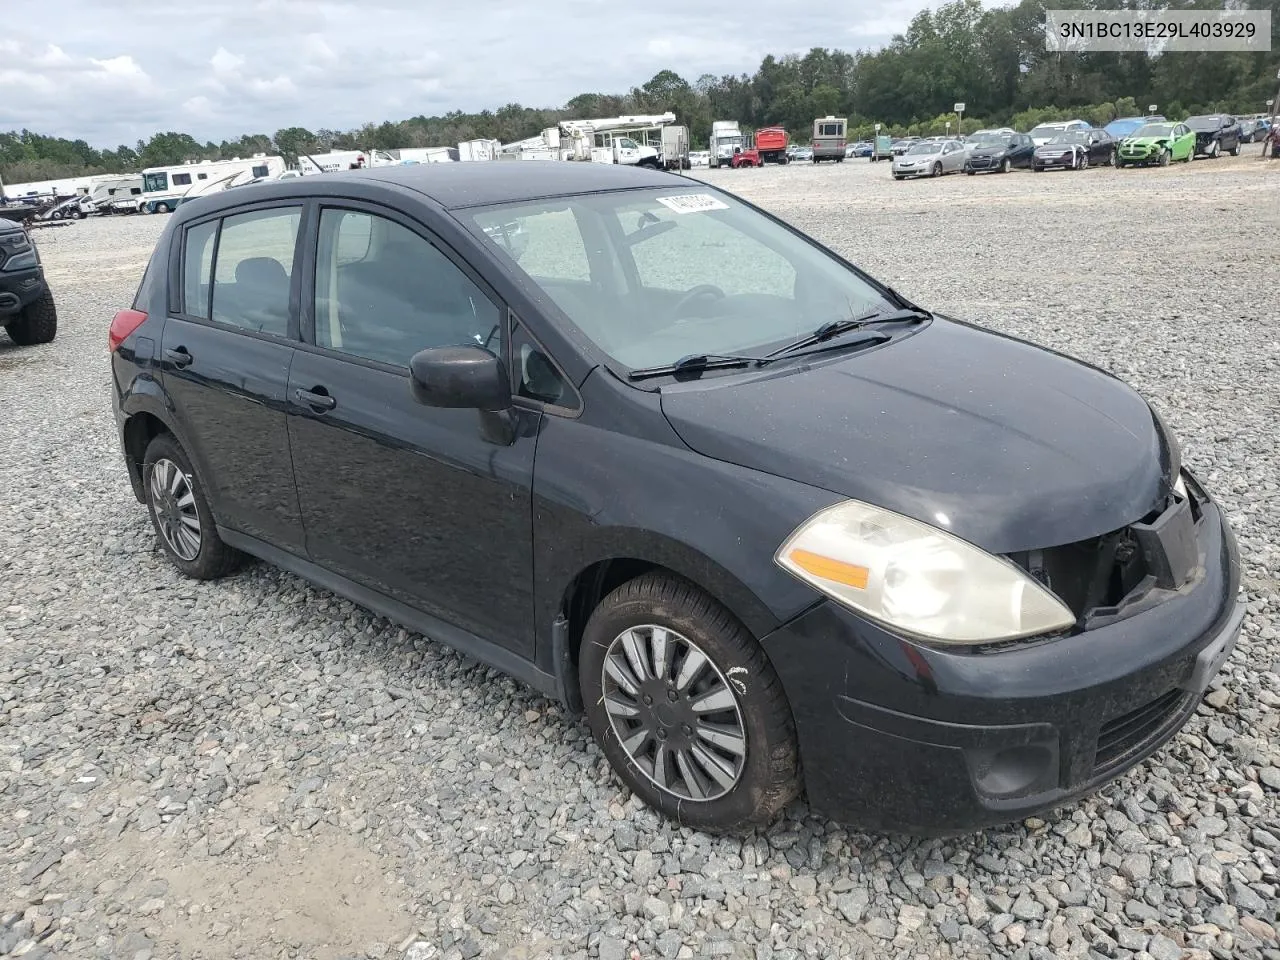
<point x="918" y="579"/>
<point x="21" y="261"/>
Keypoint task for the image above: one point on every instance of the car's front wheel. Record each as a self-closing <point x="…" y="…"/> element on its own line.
<point x="1164" y="158"/>
<point x="180" y="513"/>
<point x="686" y="707"/>
<point x="37" y="323"/>
<point x="1006" y="165"/>
<point x="937" y="170"/>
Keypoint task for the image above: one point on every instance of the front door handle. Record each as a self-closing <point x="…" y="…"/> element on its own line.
<point x="179" y="356"/>
<point x="317" y="399"/>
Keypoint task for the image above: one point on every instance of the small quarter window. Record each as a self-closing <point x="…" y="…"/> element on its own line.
<point x="197" y="259"/>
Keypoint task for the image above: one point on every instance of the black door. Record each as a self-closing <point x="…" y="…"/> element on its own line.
<point x="226" y="354"/>
<point x="429" y="506"/>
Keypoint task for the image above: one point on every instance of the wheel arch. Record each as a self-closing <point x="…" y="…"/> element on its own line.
<point x="583" y="592"/>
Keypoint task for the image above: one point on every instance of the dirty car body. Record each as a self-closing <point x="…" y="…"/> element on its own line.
<point x="966" y="578"/>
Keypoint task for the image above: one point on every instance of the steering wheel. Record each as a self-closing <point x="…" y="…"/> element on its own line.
<point x="696" y="293"/>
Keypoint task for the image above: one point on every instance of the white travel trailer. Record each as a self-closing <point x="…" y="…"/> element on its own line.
<point x="164" y="188"/>
<point x="426" y="154"/>
<point x="335" y="160"/>
<point x="478" y="149"/>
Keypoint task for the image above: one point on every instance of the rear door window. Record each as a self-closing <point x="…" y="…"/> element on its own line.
<point x="252" y="273"/>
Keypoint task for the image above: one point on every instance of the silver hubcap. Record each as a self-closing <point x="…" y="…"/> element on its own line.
<point x="675" y="714"/>
<point x="174" y="505"/>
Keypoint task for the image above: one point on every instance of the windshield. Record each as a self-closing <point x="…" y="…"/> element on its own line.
<point x="1071" y="136"/>
<point x="990" y="140"/>
<point x="924" y="147"/>
<point x="1046" y="132"/>
<point x="1204" y="124"/>
<point x="1155" y="130"/>
<point x="151" y="182"/>
<point x="651" y="276"/>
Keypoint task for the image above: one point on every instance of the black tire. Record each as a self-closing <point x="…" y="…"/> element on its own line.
<point x="78" y="213"/>
<point x="770" y="775"/>
<point x="1111" y="159"/>
<point x="1164" y="158"/>
<point x="1035" y="169"/>
<point x="971" y="172"/>
<point x="1235" y="151"/>
<point x="1006" y="165"/>
<point x="37" y="323"/>
<point x="1084" y="162"/>
<point x="897" y="176"/>
<point x="214" y="558"/>
<point x="936" y="171"/>
<point x="162" y="207"/>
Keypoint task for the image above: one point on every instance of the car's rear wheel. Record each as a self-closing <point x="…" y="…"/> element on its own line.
<point x="37" y="323"/>
<point x="180" y="513"/>
<point x="686" y="707"/>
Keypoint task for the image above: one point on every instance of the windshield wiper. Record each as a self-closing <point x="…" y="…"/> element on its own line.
<point x="696" y="363"/>
<point x="835" y="328"/>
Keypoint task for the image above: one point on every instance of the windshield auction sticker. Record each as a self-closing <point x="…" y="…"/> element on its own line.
<point x="692" y="203"/>
<point x="1156" y="31"/>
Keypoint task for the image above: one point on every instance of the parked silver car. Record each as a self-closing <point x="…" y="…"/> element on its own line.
<point x="930" y="158"/>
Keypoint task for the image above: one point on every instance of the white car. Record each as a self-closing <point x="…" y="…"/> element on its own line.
<point x="1045" y="132"/>
<point x="929" y="158"/>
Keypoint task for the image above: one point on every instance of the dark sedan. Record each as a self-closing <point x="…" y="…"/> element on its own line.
<point x="773" y="527"/>
<point x="999" y="152"/>
<point x="1216" y="134"/>
<point x="1075" y="150"/>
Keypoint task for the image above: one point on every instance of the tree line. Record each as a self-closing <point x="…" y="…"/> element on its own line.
<point x="994" y="60"/>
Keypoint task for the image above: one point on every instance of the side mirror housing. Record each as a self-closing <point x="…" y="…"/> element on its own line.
<point x="465" y="377"/>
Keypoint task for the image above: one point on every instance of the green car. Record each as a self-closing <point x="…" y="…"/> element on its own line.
<point x="1157" y="143"/>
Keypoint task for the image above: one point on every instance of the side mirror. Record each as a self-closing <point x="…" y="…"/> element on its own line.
<point x="467" y="377"/>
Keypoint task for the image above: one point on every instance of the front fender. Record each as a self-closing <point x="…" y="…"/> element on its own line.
<point x="607" y="494"/>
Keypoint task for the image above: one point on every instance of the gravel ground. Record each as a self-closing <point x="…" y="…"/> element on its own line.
<point x="257" y="769"/>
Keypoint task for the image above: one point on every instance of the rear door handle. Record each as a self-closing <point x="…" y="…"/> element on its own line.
<point x="178" y="356"/>
<point x="316" y="400"/>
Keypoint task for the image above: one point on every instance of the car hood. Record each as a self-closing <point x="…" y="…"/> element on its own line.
<point x="988" y="151"/>
<point x="1007" y="445"/>
<point x="1145" y="141"/>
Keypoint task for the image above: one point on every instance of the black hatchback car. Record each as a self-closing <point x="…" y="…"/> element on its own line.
<point x="641" y="444"/>
<point x="999" y="152"/>
<point x="1216" y="134"/>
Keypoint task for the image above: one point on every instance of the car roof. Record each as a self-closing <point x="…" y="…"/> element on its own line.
<point x="478" y="183"/>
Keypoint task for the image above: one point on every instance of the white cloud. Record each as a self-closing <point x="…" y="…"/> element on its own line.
<point x="225" y="63"/>
<point x="248" y="66"/>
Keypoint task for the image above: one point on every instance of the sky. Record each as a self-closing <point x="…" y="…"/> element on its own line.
<point x="116" y="71"/>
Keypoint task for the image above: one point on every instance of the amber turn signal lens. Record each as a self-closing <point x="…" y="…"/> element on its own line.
<point x="847" y="573"/>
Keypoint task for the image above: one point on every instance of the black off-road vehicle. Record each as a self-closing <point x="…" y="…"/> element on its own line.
<point x="27" y="310"/>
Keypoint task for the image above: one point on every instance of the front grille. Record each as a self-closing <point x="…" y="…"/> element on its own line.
<point x="1127" y="735"/>
<point x="980" y="163"/>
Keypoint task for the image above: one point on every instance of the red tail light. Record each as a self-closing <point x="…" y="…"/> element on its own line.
<point x="123" y="324"/>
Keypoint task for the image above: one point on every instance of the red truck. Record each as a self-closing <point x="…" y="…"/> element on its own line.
<point x="771" y="144"/>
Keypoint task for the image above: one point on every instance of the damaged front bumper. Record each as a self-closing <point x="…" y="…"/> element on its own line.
<point x="897" y="735"/>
